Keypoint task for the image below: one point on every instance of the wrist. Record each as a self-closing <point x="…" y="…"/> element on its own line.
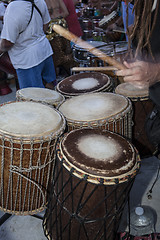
<point x="156" y="74"/>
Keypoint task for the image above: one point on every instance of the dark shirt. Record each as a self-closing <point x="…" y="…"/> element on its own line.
<point x="155" y="37"/>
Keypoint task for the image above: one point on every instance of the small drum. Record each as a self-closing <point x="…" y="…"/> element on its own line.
<point x="98" y="36"/>
<point x="142" y="106"/>
<point x="93" y="175"/>
<point x="99" y="110"/>
<point x="118" y="50"/>
<point x="42" y="95"/>
<point x="87" y="24"/>
<point x="108" y="20"/>
<point x="81" y="55"/>
<point x="28" y="134"/>
<point x="84" y="83"/>
<point x="95" y="22"/>
<point x="87" y="35"/>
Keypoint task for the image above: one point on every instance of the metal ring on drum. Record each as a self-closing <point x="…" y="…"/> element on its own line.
<point x="93" y="176"/>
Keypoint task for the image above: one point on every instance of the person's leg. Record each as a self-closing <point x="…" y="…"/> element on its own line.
<point x="30" y="77"/>
<point x="48" y="72"/>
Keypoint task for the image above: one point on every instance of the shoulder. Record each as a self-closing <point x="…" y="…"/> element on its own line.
<point x="17" y="6"/>
<point x="17" y="12"/>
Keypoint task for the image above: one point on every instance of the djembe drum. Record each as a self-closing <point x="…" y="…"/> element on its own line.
<point x="84" y="83"/>
<point x="99" y="110"/>
<point x="28" y="134"/>
<point x="142" y="106"/>
<point x="93" y="175"/>
<point x="42" y="95"/>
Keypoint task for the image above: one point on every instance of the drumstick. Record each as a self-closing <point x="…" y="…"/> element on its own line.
<point x="73" y="38"/>
<point x="119" y="30"/>
<point x="109" y="68"/>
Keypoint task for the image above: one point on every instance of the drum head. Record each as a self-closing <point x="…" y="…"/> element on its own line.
<point x="39" y="95"/>
<point x="131" y="91"/>
<point x="29" y="120"/>
<point x="94" y="106"/>
<point x="95" y="44"/>
<point x="98" y="153"/>
<point x="83" y="83"/>
<point x="114" y="48"/>
<point x="120" y="47"/>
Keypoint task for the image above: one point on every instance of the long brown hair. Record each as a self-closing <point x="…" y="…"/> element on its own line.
<point x="143" y="26"/>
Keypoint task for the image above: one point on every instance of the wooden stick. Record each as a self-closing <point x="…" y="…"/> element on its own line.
<point x="73" y="38"/>
<point x="101" y="69"/>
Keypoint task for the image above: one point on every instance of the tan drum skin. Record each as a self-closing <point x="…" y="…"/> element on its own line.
<point x="42" y="95"/>
<point x="108" y="111"/>
<point x="82" y="83"/>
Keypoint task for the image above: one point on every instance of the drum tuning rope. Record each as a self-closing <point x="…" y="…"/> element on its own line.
<point x="31" y="181"/>
<point x="10" y="199"/>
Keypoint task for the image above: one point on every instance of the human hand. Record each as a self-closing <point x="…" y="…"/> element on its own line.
<point x="140" y="73"/>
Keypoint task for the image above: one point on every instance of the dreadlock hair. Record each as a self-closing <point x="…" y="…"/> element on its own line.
<point x="143" y="27"/>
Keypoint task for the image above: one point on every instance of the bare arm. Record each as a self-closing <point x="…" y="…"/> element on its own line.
<point x="5" y="45"/>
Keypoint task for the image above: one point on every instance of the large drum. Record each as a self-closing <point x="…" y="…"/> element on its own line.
<point x="42" y="95"/>
<point x="142" y="106"/>
<point x="99" y="110"/>
<point x="84" y="83"/>
<point x="93" y="175"/>
<point x="28" y="134"/>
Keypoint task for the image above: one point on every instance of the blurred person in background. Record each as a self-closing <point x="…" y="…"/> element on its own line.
<point x="23" y="36"/>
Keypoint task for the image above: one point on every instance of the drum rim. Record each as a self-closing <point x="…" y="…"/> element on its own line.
<point x="5" y="135"/>
<point x="20" y="96"/>
<point x="106" y="86"/>
<point x="101" y="121"/>
<point x="142" y="94"/>
<point x="93" y="178"/>
<point x="90" y="42"/>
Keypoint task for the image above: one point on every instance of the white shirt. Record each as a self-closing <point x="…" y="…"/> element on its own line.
<point x="31" y="47"/>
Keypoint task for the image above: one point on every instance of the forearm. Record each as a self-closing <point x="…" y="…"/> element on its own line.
<point x="156" y="74"/>
<point x="5" y="45"/>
